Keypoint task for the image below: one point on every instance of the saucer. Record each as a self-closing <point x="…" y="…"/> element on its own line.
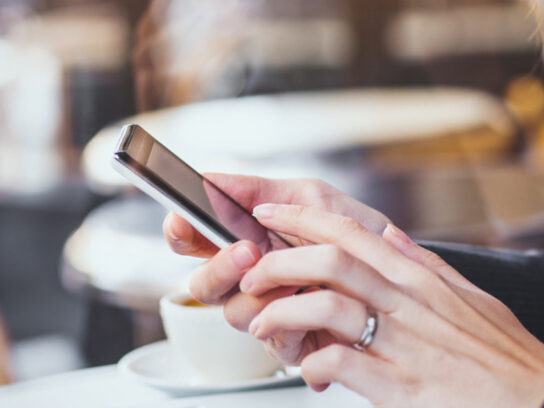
<point x="159" y="366"/>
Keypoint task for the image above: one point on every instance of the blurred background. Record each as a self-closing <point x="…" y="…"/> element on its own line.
<point x="432" y="111"/>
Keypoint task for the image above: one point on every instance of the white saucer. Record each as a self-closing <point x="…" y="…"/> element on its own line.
<point x="158" y="366"/>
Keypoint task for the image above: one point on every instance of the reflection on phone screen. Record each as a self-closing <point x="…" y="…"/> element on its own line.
<point x="197" y="194"/>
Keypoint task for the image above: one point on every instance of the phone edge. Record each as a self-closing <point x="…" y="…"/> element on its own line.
<point x="166" y="201"/>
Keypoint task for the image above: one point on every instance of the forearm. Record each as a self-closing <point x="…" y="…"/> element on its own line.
<point x="514" y="277"/>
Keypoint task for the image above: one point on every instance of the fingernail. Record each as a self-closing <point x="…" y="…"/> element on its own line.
<point x="254" y="327"/>
<point x="246" y="283"/>
<point x="399" y="234"/>
<point x="169" y="228"/>
<point x="242" y="257"/>
<point x="264" y="210"/>
<point x="173" y="237"/>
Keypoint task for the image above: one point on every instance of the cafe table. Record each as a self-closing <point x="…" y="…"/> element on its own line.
<point x="105" y="387"/>
<point x="294" y="134"/>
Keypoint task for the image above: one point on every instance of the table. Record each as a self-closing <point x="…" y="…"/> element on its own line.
<point x="104" y="387"/>
<point x="291" y="135"/>
<point x="119" y="255"/>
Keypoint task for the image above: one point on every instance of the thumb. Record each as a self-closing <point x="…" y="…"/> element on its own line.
<point x="246" y="190"/>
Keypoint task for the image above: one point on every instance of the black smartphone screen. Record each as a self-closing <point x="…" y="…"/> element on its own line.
<point x="199" y="196"/>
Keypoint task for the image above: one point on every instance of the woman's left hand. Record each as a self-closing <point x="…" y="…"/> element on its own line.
<point x="440" y="340"/>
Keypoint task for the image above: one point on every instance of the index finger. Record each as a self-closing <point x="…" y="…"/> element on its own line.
<point x="248" y="191"/>
<point x="322" y="227"/>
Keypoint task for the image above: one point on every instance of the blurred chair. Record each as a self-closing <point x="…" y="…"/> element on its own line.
<point x="90" y="44"/>
<point x="64" y="73"/>
<point x="31" y="112"/>
<point x="5" y="366"/>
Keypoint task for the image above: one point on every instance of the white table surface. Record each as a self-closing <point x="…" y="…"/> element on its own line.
<point x="235" y="135"/>
<point x="104" y="387"/>
<point x="121" y="257"/>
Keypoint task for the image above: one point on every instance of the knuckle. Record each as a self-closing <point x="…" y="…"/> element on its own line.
<point x="314" y="188"/>
<point x="204" y="283"/>
<point x="312" y="371"/>
<point x="299" y="212"/>
<point x="278" y="348"/>
<point x="334" y="259"/>
<point x="318" y="184"/>
<point x="423" y="286"/>
<point x="269" y="259"/>
<point x="433" y="259"/>
<point x="234" y="317"/>
<point x="266" y="263"/>
<point x="196" y="288"/>
<point x="230" y="316"/>
<point x="270" y="312"/>
<point x="270" y="350"/>
<point x="427" y="281"/>
<point x="338" y="358"/>
<point x="279" y="344"/>
<point x="349" y="226"/>
<point x="306" y="370"/>
<point x="332" y="305"/>
<point x="412" y="389"/>
<point x="332" y="255"/>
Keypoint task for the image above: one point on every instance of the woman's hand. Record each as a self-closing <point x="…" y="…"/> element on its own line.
<point x="440" y="340"/>
<point x="251" y="191"/>
<point x="216" y="281"/>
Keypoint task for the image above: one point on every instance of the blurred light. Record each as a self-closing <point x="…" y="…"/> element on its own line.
<point x="525" y="98"/>
<point x="31" y="111"/>
<point x="38" y="56"/>
<point x="93" y="36"/>
<point x="452" y="31"/>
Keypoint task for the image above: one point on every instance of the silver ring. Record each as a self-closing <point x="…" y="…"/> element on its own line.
<point x="369" y="331"/>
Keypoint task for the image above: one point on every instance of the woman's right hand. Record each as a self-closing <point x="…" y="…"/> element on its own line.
<point x="440" y="340"/>
<point x="216" y="281"/>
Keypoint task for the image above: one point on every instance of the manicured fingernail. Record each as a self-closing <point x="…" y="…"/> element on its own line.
<point x="169" y="227"/>
<point x="399" y="234"/>
<point x="265" y="210"/>
<point x="242" y="257"/>
<point x="254" y="327"/>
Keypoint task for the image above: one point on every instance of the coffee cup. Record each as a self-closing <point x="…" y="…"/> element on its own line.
<point x="213" y="350"/>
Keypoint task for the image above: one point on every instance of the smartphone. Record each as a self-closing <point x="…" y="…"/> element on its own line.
<point x="161" y="174"/>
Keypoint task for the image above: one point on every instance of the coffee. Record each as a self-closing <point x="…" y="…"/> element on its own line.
<point x="191" y="303"/>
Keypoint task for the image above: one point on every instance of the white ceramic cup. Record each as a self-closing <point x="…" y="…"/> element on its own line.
<point x="215" y="351"/>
